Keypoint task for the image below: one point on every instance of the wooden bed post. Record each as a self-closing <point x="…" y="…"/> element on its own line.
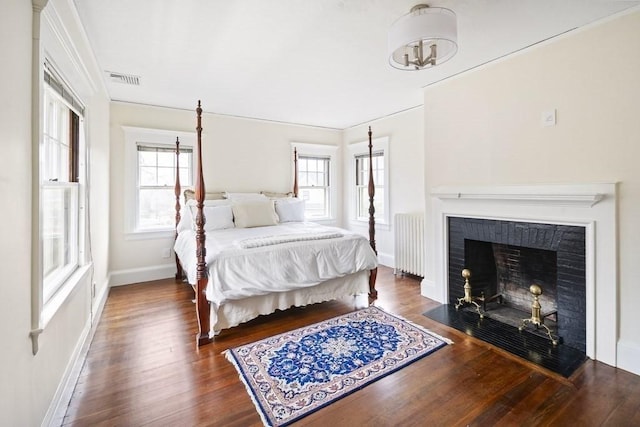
<point x="177" y="190"/>
<point x="202" y="304"/>
<point x="295" y="172"/>
<point x="373" y="293"/>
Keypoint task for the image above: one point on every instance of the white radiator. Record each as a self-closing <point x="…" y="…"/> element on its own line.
<point x="409" y="243"/>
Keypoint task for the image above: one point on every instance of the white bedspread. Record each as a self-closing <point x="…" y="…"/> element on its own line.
<point x="236" y="273"/>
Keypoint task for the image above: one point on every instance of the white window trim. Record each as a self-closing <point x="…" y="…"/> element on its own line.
<point x="362" y="148"/>
<point x="46" y="303"/>
<point x="53" y="45"/>
<point x="153" y="137"/>
<point x="323" y="150"/>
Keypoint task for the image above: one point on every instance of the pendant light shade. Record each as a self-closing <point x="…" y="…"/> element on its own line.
<point x="425" y="37"/>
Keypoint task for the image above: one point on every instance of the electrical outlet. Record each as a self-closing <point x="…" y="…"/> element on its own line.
<point x="166" y="253"/>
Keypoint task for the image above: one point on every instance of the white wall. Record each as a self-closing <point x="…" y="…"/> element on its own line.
<point x="15" y="186"/>
<point x="29" y="384"/>
<point x="238" y="155"/>
<point x="483" y="127"/>
<point x="405" y="132"/>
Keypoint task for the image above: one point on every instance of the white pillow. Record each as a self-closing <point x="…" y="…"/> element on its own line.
<point x="208" y="202"/>
<point x="274" y="195"/>
<point x="254" y="213"/>
<point x="186" y="220"/>
<point x="290" y="210"/>
<point x="217" y="217"/>
<point x="244" y="196"/>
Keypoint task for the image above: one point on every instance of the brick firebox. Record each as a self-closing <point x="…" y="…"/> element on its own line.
<point x="552" y="254"/>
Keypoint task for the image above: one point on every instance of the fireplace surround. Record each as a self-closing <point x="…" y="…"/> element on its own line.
<point x="591" y="207"/>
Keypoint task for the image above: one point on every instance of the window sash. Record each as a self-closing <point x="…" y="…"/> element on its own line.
<point x="59" y="234"/>
<point x="56" y="147"/>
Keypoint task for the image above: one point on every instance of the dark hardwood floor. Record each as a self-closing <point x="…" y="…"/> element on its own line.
<point x="143" y="369"/>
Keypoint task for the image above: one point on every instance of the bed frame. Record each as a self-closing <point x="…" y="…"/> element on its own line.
<point x="202" y="304"/>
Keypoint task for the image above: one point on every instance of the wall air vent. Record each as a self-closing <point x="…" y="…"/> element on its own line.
<point x="127" y="79"/>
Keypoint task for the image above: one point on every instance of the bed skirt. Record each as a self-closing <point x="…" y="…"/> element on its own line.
<point x="233" y="313"/>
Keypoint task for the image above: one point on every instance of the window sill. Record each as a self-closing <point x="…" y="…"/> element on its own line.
<point x="49" y="310"/>
<point x="150" y="234"/>
<point x="380" y="225"/>
<point x="325" y="221"/>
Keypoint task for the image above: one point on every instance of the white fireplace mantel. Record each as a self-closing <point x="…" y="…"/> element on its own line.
<point x="558" y="195"/>
<point x="592" y="206"/>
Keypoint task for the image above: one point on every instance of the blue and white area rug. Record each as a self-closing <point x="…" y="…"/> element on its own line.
<point x="293" y="374"/>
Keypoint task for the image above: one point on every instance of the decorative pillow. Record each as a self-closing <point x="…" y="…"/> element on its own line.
<point x="189" y="194"/>
<point x="214" y="195"/>
<point x="273" y="195"/>
<point x="254" y="213"/>
<point x="221" y="202"/>
<point x="290" y="210"/>
<point x="216" y="217"/>
<point x="244" y="196"/>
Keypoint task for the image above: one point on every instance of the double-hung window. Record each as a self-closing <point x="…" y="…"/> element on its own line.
<point x="60" y="186"/>
<point x="149" y="179"/>
<point x="156" y="167"/>
<point x="314" y="186"/>
<point x="359" y="171"/>
<point x="362" y="185"/>
<point x="316" y="180"/>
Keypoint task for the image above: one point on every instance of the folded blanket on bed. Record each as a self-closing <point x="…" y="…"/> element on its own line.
<point x="256" y="242"/>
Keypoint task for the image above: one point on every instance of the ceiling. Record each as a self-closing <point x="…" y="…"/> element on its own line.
<point x="321" y="62"/>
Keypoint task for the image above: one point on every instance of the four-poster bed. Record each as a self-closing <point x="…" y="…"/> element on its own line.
<point x="242" y="267"/>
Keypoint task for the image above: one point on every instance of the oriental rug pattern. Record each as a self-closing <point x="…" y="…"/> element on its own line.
<point x="293" y="374"/>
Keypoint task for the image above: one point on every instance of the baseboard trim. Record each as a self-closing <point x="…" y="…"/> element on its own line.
<point x="58" y="408"/>
<point x="629" y="357"/>
<point x="144" y="274"/>
<point x="428" y="289"/>
<point x="386" y="260"/>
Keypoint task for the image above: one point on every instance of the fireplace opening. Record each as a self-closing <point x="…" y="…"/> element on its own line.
<point x="512" y="266"/>
<point x="501" y="276"/>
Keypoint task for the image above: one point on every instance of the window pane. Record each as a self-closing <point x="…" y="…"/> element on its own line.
<point x="312" y="179"/>
<point x="147" y="158"/>
<point x="59" y="234"/>
<point x="316" y="202"/>
<point x="378" y="203"/>
<point x="166" y="159"/>
<point x="362" y="204"/>
<point x="185" y="177"/>
<point x="54" y="228"/>
<point x="166" y="176"/>
<point x="148" y="176"/>
<point x="156" y="208"/>
<point x="185" y="161"/>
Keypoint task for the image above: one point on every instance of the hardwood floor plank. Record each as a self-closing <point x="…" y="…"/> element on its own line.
<point x="143" y="369"/>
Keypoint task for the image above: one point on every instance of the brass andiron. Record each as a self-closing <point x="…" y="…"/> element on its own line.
<point x="468" y="298"/>
<point x="535" y="319"/>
